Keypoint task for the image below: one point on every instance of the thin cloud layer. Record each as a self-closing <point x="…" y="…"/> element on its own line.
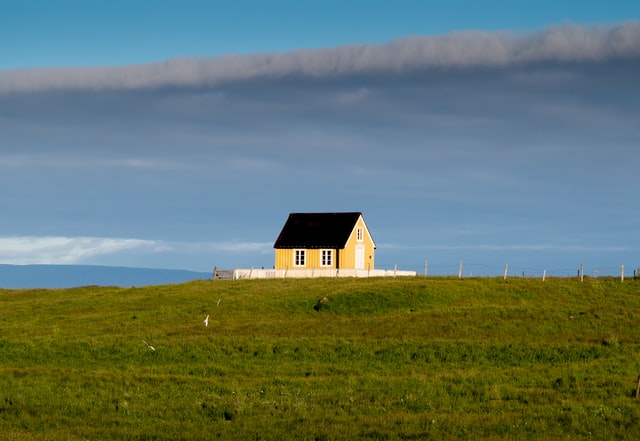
<point x="62" y="250"/>
<point x="469" y="49"/>
<point x="29" y="250"/>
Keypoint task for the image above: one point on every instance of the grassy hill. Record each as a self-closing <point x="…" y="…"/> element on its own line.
<point x="405" y="358"/>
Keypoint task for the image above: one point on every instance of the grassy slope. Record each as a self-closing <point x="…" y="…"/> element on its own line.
<point x="406" y="358"/>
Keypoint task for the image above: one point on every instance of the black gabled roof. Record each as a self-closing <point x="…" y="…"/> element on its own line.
<point x="317" y="230"/>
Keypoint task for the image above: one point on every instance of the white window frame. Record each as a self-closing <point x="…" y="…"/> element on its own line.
<point x="360" y="234"/>
<point x="326" y="257"/>
<point x="299" y="257"/>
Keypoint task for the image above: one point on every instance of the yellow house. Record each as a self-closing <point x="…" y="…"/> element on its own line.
<point x="325" y="241"/>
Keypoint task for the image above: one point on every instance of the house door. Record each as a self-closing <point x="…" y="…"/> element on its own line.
<point x="359" y="256"/>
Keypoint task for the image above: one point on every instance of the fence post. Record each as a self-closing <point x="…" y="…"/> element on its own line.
<point x="544" y="275"/>
<point x="622" y="273"/>
<point x="460" y="270"/>
<point x="426" y="267"/>
<point x="581" y="272"/>
<point x="506" y="268"/>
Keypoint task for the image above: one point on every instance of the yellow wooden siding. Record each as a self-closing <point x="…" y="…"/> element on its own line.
<point x="313" y="259"/>
<point x="284" y="258"/>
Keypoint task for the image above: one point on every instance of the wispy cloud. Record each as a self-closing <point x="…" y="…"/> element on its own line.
<point x="62" y="250"/>
<point x="24" y="250"/>
<point x="46" y="160"/>
<point x="566" y="43"/>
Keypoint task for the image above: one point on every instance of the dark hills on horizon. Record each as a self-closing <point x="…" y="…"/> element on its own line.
<point x="70" y="276"/>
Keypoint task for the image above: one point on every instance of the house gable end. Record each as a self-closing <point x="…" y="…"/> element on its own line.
<point x="366" y="231"/>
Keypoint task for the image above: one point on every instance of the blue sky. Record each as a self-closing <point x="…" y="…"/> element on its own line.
<point x="37" y="33"/>
<point x="181" y="134"/>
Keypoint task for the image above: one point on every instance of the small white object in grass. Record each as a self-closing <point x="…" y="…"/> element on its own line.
<point x="206" y="320"/>
<point x="219" y="300"/>
<point x="148" y="345"/>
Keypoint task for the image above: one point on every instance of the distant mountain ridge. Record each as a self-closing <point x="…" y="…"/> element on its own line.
<point x="69" y="276"/>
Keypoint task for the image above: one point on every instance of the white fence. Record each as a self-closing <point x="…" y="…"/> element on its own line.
<point x="310" y="273"/>
<point x="509" y="271"/>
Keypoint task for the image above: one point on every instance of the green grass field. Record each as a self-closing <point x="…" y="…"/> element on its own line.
<point x="395" y="359"/>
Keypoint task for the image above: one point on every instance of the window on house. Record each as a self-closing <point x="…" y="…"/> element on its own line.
<point x="299" y="257"/>
<point x="326" y="258"/>
<point x="359" y="234"/>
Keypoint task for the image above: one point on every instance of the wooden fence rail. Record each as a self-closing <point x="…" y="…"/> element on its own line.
<point x="222" y="274"/>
